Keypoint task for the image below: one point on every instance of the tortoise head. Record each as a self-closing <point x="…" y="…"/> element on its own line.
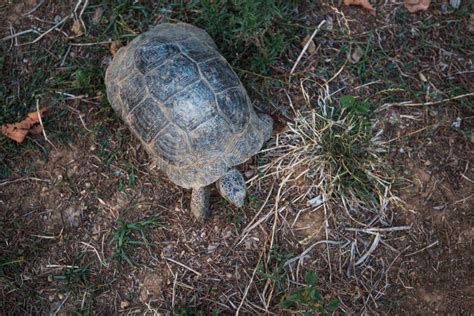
<point x="232" y="187"/>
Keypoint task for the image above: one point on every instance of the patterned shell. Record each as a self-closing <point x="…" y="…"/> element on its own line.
<point x="182" y="99"/>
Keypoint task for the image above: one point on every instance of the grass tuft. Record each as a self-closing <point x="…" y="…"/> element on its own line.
<point x="338" y="154"/>
<point x="131" y="234"/>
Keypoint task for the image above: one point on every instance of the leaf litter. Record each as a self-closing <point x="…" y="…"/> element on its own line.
<point x="18" y="131"/>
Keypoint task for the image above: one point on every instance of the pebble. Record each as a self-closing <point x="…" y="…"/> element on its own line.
<point x="124" y="304"/>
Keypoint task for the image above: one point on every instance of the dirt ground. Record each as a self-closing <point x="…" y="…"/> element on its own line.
<point x="65" y="201"/>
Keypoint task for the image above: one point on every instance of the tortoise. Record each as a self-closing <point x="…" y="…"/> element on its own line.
<point x="186" y="105"/>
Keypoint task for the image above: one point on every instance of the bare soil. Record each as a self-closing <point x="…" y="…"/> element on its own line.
<point x="61" y="203"/>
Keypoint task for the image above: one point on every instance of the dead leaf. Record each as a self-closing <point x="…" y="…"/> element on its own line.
<point x="279" y="122"/>
<point x="311" y="47"/>
<point x="18" y="131"/>
<point x="364" y="3"/>
<point x="356" y="55"/>
<point x="77" y="28"/>
<point x="114" y="47"/>
<point x="417" y="5"/>
<point x="422" y="77"/>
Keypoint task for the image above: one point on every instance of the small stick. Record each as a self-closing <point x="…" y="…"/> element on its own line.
<point x="34" y="9"/>
<point x="15" y="35"/>
<point x="184" y="266"/>
<point x="90" y="44"/>
<point x="306" y="46"/>
<point x="48" y="31"/>
<point x="422" y="249"/>
<point x="376" y="229"/>
<point x="304" y="253"/>
<point x="174" y="290"/>
<point x="409" y="104"/>
<point x="96" y="252"/>
<point x="371" y="249"/>
<point x="61" y="304"/>
<point x="42" y="126"/>
<point x="24" y="179"/>
<point x="248" y="286"/>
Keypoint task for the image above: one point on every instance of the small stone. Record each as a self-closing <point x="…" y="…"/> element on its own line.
<point x="456" y="123"/>
<point x="50" y="278"/>
<point x="60" y="296"/>
<point x="211" y="248"/>
<point x="124" y="304"/>
<point x="88" y="185"/>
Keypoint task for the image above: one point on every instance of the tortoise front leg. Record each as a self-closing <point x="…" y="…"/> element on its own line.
<point x="200" y="203"/>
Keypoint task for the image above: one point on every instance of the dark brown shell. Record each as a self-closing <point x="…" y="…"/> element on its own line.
<point x="182" y="99"/>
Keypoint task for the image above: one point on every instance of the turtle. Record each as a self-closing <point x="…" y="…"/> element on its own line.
<point x="181" y="98"/>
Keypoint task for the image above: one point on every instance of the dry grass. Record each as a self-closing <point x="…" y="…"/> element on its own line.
<point x="322" y="193"/>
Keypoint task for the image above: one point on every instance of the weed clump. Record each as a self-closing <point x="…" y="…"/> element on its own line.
<point x="250" y="34"/>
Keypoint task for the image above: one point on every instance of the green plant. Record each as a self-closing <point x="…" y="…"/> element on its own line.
<point x="189" y="310"/>
<point x="73" y="275"/>
<point x="308" y="298"/>
<point x="250" y="34"/>
<point x="353" y="104"/>
<point x="125" y="235"/>
<point x="274" y="270"/>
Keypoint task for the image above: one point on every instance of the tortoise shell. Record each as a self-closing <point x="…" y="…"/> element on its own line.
<point x="182" y="99"/>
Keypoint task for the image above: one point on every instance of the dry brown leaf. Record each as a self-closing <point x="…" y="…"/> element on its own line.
<point x="364" y="3"/>
<point x="18" y="131"/>
<point x="311" y="47"/>
<point x="114" y="47"/>
<point x="417" y="5"/>
<point x="77" y="28"/>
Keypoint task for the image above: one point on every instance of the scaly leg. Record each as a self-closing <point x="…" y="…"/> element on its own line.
<point x="200" y="203"/>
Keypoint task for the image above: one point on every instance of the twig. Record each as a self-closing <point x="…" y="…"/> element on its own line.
<point x="80" y="118"/>
<point x="41" y="123"/>
<point x="251" y="226"/>
<point x="34" y="9"/>
<point x="174" y="290"/>
<point x="304" y="253"/>
<point x="61" y="304"/>
<point x="15" y="35"/>
<point x="24" y="179"/>
<point x="184" y="266"/>
<point x="79" y="17"/>
<point x="96" y="252"/>
<point x="90" y="44"/>
<point x="47" y="32"/>
<point x="410" y="104"/>
<point x="248" y="285"/>
<point x="372" y="248"/>
<point x="306" y="46"/>
<point x="422" y="249"/>
<point x="377" y="229"/>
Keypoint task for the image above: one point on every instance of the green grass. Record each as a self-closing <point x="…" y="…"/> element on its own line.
<point x="191" y="310"/>
<point x="308" y="299"/>
<point x="74" y="276"/>
<point x="128" y="235"/>
<point x="274" y="270"/>
<point x="252" y="35"/>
